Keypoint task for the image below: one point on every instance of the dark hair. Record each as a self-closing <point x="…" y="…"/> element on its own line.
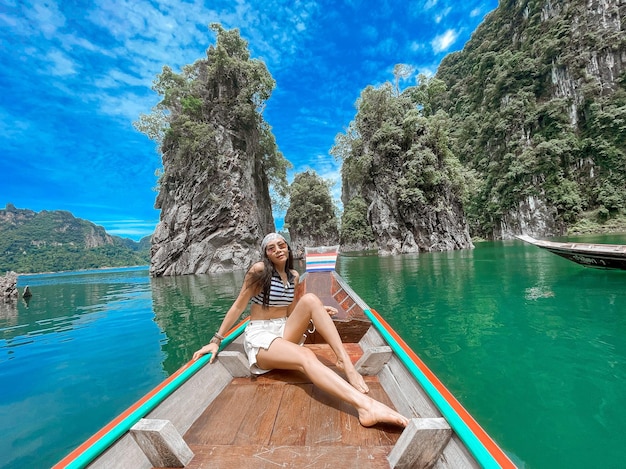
<point x="264" y="277"/>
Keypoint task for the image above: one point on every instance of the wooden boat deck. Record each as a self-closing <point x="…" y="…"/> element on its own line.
<point x="281" y="420"/>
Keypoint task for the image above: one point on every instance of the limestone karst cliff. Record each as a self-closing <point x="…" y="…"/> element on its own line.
<point x="212" y="221"/>
<point x="219" y="158"/>
<point x="538" y="100"/>
<point x="398" y="165"/>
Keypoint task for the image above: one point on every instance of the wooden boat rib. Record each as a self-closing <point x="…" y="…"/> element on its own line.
<point x="600" y="256"/>
<point x="219" y="416"/>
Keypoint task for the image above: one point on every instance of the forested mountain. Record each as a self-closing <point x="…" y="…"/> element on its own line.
<point x="50" y="241"/>
<point x="524" y="130"/>
<point x="537" y="100"/>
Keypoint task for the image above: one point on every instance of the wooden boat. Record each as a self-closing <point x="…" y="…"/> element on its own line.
<point x="218" y="416"/>
<point x="600" y="256"/>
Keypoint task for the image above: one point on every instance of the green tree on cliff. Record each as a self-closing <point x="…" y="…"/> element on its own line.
<point x="399" y="142"/>
<point x="227" y="90"/>
<point x="354" y="226"/>
<point x="311" y="214"/>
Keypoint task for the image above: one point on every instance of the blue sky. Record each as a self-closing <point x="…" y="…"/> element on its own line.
<point x="76" y="74"/>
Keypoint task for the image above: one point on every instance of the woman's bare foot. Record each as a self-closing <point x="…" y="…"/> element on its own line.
<point x="354" y="377"/>
<point x="377" y="412"/>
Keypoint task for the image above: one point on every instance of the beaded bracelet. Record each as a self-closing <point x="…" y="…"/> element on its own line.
<point x="215" y="340"/>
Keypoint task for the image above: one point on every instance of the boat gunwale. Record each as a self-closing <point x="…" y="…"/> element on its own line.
<point x="574" y="247"/>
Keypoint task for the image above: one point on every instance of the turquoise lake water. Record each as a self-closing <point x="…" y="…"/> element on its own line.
<point x="534" y="346"/>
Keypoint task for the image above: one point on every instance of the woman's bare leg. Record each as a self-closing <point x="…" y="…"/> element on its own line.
<point x="310" y="308"/>
<point x="286" y="355"/>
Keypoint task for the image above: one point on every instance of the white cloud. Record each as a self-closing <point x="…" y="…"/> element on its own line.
<point x="60" y="64"/>
<point x="439" y="17"/>
<point x="416" y="46"/>
<point x="47" y="16"/>
<point x="118" y="79"/>
<point x="130" y="228"/>
<point x="126" y="105"/>
<point x="13" y="127"/>
<point x="443" y="42"/>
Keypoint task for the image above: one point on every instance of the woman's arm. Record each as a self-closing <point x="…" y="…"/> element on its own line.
<point x="233" y="313"/>
<point x="298" y="292"/>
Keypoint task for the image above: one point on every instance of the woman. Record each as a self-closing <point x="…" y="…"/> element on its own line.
<point x="279" y="317"/>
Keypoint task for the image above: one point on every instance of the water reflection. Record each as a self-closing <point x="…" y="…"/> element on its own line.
<point x="189" y="309"/>
<point x="61" y="301"/>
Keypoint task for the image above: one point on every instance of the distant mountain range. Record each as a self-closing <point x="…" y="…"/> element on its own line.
<point x="52" y="241"/>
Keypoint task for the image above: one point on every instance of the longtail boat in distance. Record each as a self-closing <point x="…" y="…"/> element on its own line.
<point x="599" y="256"/>
<point x="220" y="416"/>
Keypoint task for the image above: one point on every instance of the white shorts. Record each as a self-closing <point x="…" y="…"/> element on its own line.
<point x="260" y="334"/>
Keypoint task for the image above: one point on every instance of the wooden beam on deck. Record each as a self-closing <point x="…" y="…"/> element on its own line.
<point x="373" y="360"/>
<point x="421" y="444"/>
<point x="161" y="443"/>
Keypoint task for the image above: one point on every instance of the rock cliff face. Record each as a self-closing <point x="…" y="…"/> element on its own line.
<point x="212" y="220"/>
<point x="8" y="287"/>
<point x="532" y="216"/>
<point x="398" y="161"/>
<point x="421" y="227"/>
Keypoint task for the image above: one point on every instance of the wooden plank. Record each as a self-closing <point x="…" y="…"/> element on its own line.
<point x="373" y="360"/>
<point x="220" y="422"/>
<point x="324" y="419"/>
<point x="184" y="406"/>
<point x="456" y="456"/>
<point x="258" y="426"/>
<point x="289" y="457"/>
<point x="299" y="421"/>
<point x="125" y="449"/>
<point x="293" y="415"/>
<point x="407" y="396"/>
<point x="372" y="338"/>
<point x="412" y="401"/>
<point x="236" y="363"/>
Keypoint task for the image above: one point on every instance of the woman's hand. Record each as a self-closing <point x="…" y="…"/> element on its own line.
<point x="208" y="348"/>
<point x="330" y="310"/>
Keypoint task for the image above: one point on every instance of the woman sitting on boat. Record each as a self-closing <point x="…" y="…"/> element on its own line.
<point x="279" y="317"/>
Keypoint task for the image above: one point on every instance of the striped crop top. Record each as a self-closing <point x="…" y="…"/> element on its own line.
<point x="280" y="294"/>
